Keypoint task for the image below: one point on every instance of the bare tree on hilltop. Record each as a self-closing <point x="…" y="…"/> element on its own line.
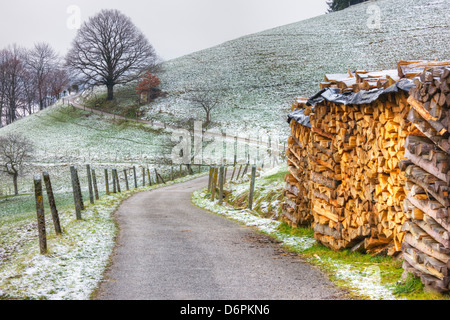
<point x="14" y="151"/>
<point x="42" y="61"/>
<point x="109" y="50"/>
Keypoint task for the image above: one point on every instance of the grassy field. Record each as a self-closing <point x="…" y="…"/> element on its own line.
<point x="64" y="136"/>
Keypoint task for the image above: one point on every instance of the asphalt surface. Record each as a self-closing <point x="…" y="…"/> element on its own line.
<point x="168" y="249"/>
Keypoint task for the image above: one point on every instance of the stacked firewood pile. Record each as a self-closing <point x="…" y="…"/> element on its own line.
<point x="426" y="248"/>
<point x="357" y="187"/>
<point x="296" y="208"/>
<point x="344" y="162"/>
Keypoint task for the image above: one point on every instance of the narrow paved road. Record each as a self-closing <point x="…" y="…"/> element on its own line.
<point x="168" y="249"/>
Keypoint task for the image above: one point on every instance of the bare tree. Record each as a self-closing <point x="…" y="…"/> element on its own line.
<point x="58" y="82"/>
<point x="109" y="50"/>
<point x="13" y="80"/>
<point x="42" y="60"/>
<point x="14" y="151"/>
<point x="3" y="59"/>
<point x="205" y="100"/>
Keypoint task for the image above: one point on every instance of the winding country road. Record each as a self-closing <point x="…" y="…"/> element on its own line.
<point x="168" y="249"/>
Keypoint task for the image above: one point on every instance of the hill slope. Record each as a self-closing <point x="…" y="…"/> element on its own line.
<point x="64" y="136"/>
<point x="259" y="75"/>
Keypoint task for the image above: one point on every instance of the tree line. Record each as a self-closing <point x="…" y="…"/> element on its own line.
<point x="30" y="80"/>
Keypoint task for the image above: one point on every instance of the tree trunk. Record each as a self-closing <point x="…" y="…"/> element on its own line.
<point x="16" y="188"/>
<point x="110" y="92"/>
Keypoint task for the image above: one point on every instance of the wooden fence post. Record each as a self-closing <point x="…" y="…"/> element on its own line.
<point x="149" y="177"/>
<point x="94" y="181"/>
<point x="76" y="195"/>
<point x="214" y="184"/>
<point x="160" y="177"/>
<point x="246" y="169"/>
<point x="113" y="172"/>
<point x="234" y="171"/>
<point x="52" y="204"/>
<point x="77" y="177"/>
<point x="240" y="169"/>
<point x="143" y="176"/>
<point x="210" y="178"/>
<point x="106" y="181"/>
<point x="157" y="177"/>
<point x="91" y="191"/>
<point x="135" y="177"/>
<point x="117" y="181"/>
<point x="221" y="182"/>
<point x="127" y="185"/>
<point x="252" y="188"/>
<point x="40" y="214"/>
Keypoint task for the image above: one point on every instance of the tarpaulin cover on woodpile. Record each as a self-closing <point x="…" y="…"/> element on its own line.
<point x="361" y="97"/>
<point x="300" y="117"/>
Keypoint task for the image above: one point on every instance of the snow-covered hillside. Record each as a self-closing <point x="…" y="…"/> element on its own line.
<point x="258" y="76"/>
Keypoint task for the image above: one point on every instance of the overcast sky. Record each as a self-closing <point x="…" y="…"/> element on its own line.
<point x="174" y="27"/>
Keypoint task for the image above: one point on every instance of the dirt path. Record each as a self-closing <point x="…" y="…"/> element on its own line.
<point x="168" y="249"/>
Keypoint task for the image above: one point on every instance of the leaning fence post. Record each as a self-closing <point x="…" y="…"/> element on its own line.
<point x="246" y="169"/>
<point x="240" y="169"/>
<point x="94" y="181"/>
<point x="234" y="171"/>
<point x="252" y="188"/>
<point x="51" y="202"/>
<point x="221" y="181"/>
<point x="157" y="177"/>
<point x="76" y="195"/>
<point x="149" y="177"/>
<point x="91" y="191"/>
<point x="40" y="214"/>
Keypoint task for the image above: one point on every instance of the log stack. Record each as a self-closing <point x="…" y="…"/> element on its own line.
<point x="296" y="208"/>
<point x="426" y="249"/>
<point x="372" y="166"/>
<point x="357" y="187"/>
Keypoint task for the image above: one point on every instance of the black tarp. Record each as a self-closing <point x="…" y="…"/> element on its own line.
<point x="299" y="117"/>
<point x="348" y="98"/>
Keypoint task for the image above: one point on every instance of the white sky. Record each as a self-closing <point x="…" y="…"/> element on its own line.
<point x="173" y="27"/>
